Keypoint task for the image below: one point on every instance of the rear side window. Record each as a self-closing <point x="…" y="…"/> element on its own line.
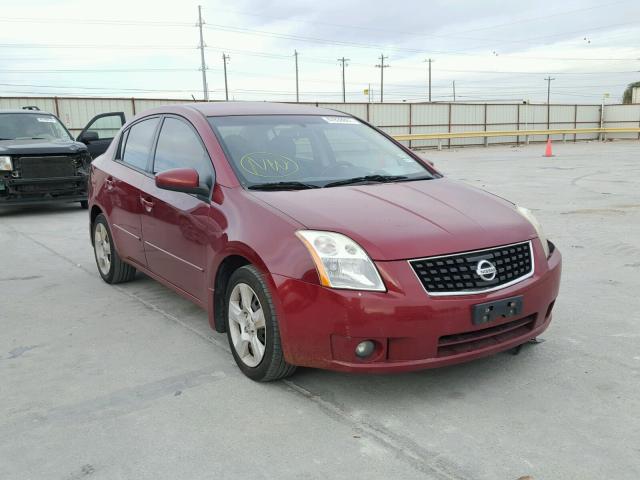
<point x="139" y="142"/>
<point x="179" y="146"/>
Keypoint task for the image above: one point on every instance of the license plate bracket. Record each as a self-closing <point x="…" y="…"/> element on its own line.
<point x="490" y="311"/>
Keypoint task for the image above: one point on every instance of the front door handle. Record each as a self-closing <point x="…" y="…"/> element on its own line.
<point x="146" y="203"/>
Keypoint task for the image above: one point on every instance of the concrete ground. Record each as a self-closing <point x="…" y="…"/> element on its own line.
<point x="129" y="382"/>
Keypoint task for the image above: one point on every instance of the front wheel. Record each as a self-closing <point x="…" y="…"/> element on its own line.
<point x="252" y="327"/>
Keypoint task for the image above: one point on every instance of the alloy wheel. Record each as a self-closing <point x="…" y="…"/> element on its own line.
<point x="102" y="246"/>
<point x="247" y="325"/>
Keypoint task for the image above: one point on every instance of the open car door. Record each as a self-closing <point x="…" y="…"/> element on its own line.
<point x="100" y="131"/>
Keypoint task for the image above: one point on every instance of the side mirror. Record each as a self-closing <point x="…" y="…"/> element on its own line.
<point x="185" y="180"/>
<point x="88" y="137"/>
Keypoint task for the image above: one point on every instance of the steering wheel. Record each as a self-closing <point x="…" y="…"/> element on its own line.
<point x="336" y="166"/>
<point x="379" y="172"/>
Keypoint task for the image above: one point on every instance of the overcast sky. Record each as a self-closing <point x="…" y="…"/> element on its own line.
<point x="494" y="50"/>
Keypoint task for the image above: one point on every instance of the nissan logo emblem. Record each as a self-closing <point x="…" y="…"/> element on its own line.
<point x="486" y="270"/>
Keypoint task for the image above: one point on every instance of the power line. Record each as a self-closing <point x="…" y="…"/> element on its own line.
<point x="96" y="46"/>
<point x="103" y="70"/>
<point x="450" y="35"/>
<point x="87" y="21"/>
<point x="491" y="72"/>
<point x="68" y="87"/>
<point x="62" y="46"/>
<point x="249" y="31"/>
<point x="543" y="17"/>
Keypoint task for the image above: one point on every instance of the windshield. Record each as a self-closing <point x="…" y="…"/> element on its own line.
<point x="310" y="151"/>
<point x="28" y="126"/>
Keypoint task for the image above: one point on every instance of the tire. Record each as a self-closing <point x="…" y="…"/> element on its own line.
<point x="110" y="267"/>
<point x="84" y="204"/>
<point x="243" y="317"/>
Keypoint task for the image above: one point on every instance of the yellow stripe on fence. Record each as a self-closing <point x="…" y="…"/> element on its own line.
<point x="511" y="133"/>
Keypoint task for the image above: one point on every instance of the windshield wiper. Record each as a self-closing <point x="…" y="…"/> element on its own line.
<point x="377" y="179"/>
<point x="282" y="186"/>
<point x="421" y="177"/>
<point x="366" y="179"/>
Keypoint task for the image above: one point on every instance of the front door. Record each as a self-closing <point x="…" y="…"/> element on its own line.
<point x="126" y="178"/>
<point x="177" y="227"/>
<point x="100" y="131"/>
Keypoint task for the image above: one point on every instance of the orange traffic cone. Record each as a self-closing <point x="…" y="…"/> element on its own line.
<point x="547" y="151"/>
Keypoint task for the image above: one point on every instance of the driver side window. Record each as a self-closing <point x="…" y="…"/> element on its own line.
<point x="179" y="146"/>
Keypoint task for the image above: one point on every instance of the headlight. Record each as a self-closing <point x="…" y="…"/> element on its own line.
<point x="526" y="213"/>
<point x="341" y="262"/>
<point x="5" y="164"/>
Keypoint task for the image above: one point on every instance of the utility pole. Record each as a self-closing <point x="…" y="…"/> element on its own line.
<point x="454" y="90"/>
<point x="382" y="66"/>
<point x="429" y="61"/>
<point x="344" y="94"/>
<point x="549" y="79"/>
<point x="295" y="54"/>
<point x="225" y="58"/>
<point x="205" y="88"/>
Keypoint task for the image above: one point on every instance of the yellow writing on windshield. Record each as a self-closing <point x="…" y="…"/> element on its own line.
<point x="266" y="164"/>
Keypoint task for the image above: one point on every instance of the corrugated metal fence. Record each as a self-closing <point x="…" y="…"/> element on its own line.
<point x="394" y="118"/>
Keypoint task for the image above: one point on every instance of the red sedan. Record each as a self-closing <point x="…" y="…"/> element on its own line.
<point x="313" y="239"/>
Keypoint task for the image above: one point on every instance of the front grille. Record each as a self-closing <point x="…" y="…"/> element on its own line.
<point x="47" y="167"/>
<point x="456" y="274"/>
<point x="487" y="337"/>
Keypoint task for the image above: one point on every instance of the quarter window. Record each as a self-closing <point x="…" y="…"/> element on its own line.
<point x="139" y="143"/>
<point x="179" y="146"/>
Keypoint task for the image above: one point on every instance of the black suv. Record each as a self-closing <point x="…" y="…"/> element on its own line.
<point x="40" y="162"/>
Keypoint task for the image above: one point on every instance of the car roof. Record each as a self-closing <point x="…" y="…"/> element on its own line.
<point x="215" y="109"/>
<point x="20" y="110"/>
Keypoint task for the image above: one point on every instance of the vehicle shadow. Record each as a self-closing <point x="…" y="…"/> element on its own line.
<point x="39" y="209"/>
<point x="499" y="373"/>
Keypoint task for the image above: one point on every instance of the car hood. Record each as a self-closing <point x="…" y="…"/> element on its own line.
<point x="406" y="220"/>
<point x="40" y="147"/>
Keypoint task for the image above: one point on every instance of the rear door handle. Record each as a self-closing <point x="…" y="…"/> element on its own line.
<point x="109" y="183"/>
<point x="146" y="203"/>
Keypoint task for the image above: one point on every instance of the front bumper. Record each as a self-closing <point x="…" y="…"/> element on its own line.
<point x="43" y="190"/>
<point x="320" y="327"/>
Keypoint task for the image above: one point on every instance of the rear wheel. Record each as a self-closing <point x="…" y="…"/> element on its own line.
<point x="252" y="327"/>
<point x="111" y="268"/>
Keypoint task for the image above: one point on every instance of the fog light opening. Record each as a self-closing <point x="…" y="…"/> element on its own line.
<point x="365" y="349"/>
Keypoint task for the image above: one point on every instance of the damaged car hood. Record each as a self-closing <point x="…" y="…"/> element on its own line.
<point x="40" y="147"/>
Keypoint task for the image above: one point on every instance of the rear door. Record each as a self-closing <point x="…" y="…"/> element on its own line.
<point x="100" y="131"/>
<point x="177" y="227"/>
<point x="126" y="178"/>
